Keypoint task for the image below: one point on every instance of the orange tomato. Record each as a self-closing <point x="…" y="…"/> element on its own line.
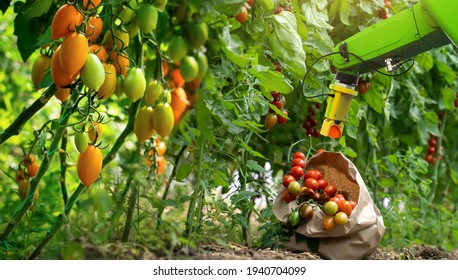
<point x="95" y="132"/>
<point x="161" y="147"/>
<point x="39" y="67"/>
<point x="20" y="175"/>
<point x="65" y="20"/>
<point x="179" y="103"/>
<point x="89" y="165"/>
<point x="63" y="94"/>
<point x="59" y="76"/>
<point x="120" y="62"/>
<point x="109" y="85"/>
<point x="143" y="125"/>
<point x="73" y="53"/>
<point x="99" y="51"/>
<point x="94" y="28"/>
<point x="177" y="79"/>
<point x="32" y="169"/>
<point x="23" y="189"/>
<point x="92" y="3"/>
<point x="165" y="68"/>
<point x="28" y="159"/>
<point x="161" y="164"/>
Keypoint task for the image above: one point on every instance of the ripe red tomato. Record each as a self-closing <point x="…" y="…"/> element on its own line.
<point x="298" y="162"/>
<point x="328" y="222"/>
<point x="311" y="183"/>
<point x="271" y="120"/>
<point x="430" y="159"/>
<point x="331" y="190"/>
<point x="242" y="15"/>
<point x="278" y="104"/>
<point x="432" y="142"/>
<point x="288" y="197"/>
<point x="299" y="155"/>
<point x="337" y="200"/>
<point x="296" y="171"/>
<point x="322" y="183"/>
<point x="281" y="119"/>
<point x="315" y="174"/>
<point x="287" y="179"/>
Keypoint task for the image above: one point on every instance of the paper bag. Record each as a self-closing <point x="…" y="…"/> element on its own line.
<point x="359" y="237"/>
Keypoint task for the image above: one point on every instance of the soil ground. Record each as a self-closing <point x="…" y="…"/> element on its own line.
<point x="129" y="251"/>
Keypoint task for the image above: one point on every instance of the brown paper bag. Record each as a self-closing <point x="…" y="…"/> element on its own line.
<point x="356" y="239"/>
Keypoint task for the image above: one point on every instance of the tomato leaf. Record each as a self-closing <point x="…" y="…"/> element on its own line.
<point x="448" y="99"/>
<point x="254" y="166"/>
<point x="272" y="80"/>
<point x="229" y="7"/>
<point x="344" y="12"/>
<point x="204" y="120"/>
<point x="37" y="8"/>
<point x="183" y="171"/>
<point x="316" y="14"/>
<point x="232" y="47"/>
<point x="250" y="150"/>
<point x="220" y="179"/>
<point x="447" y="72"/>
<point x="286" y="42"/>
<point x="27" y="32"/>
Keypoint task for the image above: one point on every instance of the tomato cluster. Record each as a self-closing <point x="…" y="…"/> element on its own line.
<point x="273" y="118"/>
<point x="28" y="168"/>
<point x="310" y="123"/>
<point x="310" y="189"/>
<point x="157" y="153"/>
<point x="383" y="13"/>
<point x="431" y="152"/>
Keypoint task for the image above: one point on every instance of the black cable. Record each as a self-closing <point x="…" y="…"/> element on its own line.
<point x="359" y="58"/>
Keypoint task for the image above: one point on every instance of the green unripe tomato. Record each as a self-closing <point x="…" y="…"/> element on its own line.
<point x="147" y="17"/>
<point x="189" y="68"/>
<point x="93" y="74"/>
<point x="331" y="208"/>
<point x="203" y="65"/>
<point x="153" y="92"/>
<point x="178" y="48"/>
<point x="163" y="119"/>
<point x="134" y="84"/>
<point x="294" y="218"/>
<point x="81" y="141"/>
<point x="198" y="33"/>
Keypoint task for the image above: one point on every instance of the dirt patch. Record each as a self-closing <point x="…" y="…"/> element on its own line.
<point x="133" y="251"/>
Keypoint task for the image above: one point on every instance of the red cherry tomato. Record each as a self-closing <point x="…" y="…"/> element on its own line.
<point x="322" y="183"/>
<point x="315" y="174"/>
<point x="346" y="208"/>
<point x="287" y="179"/>
<point x="288" y="197"/>
<point x="311" y="183"/>
<point x="296" y="171"/>
<point x="298" y="162"/>
<point x="331" y="190"/>
<point x="299" y="155"/>
<point x="352" y="203"/>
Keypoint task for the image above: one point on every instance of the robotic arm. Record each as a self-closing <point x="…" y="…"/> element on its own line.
<point x="427" y="25"/>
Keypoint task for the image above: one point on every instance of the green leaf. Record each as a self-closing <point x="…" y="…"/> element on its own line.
<point x="344" y="12"/>
<point x="254" y="166"/>
<point x="220" y="179"/>
<point x="316" y="14"/>
<point x="448" y="99"/>
<point x="250" y="150"/>
<point x="430" y="122"/>
<point x="37" y="8"/>
<point x="229" y="7"/>
<point x="27" y="32"/>
<point x="183" y="172"/>
<point x="233" y="47"/>
<point x="204" y="120"/>
<point x="425" y="60"/>
<point x="447" y="72"/>
<point x="272" y="80"/>
<point x="374" y="98"/>
<point x="287" y="44"/>
<point x="170" y="202"/>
